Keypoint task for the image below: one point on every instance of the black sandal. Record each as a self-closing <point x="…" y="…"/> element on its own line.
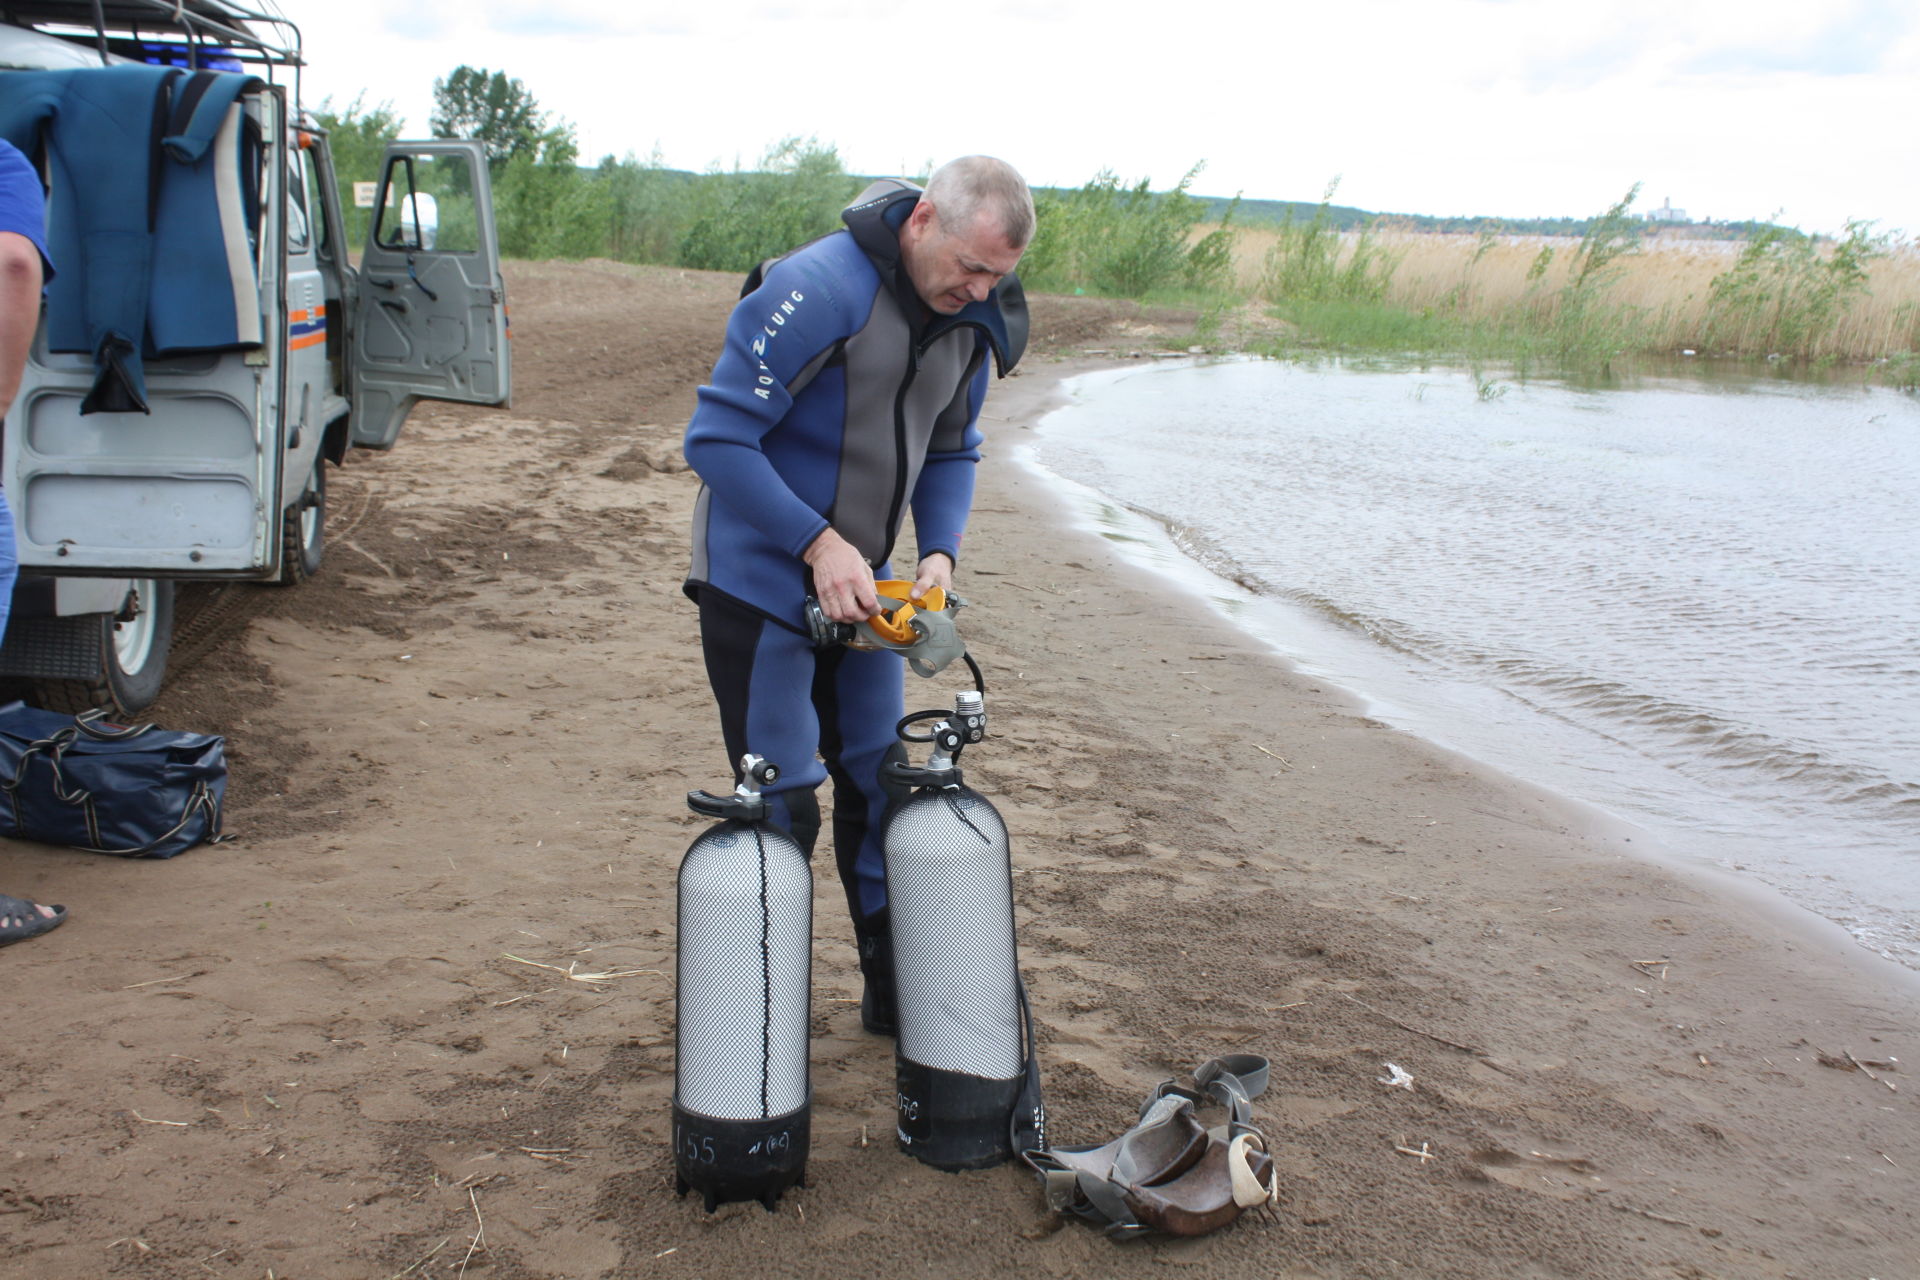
<point x="20" y="919"/>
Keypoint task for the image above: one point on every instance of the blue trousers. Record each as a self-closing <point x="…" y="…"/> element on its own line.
<point x="9" y="563"/>
<point x="783" y="700"/>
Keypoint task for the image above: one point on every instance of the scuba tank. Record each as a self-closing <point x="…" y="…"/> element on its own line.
<point x="742" y="1096"/>
<point x="968" y="1084"/>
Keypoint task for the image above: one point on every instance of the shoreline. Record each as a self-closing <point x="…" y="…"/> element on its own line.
<point x="419" y="1019"/>
<point x="1186" y="577"/>
<point x="1572" y="848"/>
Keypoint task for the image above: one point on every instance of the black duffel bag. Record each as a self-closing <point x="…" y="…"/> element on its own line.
<point x="134" y="790"/>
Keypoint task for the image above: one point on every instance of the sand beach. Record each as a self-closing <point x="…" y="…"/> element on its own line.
<point x="417" y="1019"/>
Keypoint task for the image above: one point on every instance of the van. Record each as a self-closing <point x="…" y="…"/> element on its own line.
<point x="178" y="426"/>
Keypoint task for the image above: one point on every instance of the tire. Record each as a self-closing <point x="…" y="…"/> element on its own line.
<point x="303" y="530"/>
<point x="131" y="649"/>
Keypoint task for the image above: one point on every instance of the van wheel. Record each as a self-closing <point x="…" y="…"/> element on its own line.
<point x="130" y="649"/>
<point x="303" y="532"/>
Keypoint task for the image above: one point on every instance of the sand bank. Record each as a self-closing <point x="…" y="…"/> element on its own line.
<point x="348" y="1045"/>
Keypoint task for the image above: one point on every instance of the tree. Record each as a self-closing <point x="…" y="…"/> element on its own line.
<point x="495" y="110"/>
<point x="647" y="208"/>
<point x="357" y="137"/>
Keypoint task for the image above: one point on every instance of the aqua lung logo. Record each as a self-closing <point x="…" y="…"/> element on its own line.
<point x="768" y="332"/>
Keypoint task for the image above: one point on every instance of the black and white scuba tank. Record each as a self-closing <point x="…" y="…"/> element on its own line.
<point x="742" y="1093"/>
<point x="967" y="1084"/>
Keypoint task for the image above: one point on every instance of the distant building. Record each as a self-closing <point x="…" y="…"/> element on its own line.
<point x="1667" y="213"/>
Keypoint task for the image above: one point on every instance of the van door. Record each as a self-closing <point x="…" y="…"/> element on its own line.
<point x="431" y="318"/>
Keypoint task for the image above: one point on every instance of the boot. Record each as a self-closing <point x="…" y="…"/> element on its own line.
<point x="878" y="1013"/>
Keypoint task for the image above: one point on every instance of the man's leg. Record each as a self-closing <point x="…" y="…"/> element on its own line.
<point x="858" y="697"/>
<point x="762" y="676"/>
<point x="19" y="918"/>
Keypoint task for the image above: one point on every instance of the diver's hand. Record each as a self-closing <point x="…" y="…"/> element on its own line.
<point x="935" y="571"/>
<point x="841" y="578"/>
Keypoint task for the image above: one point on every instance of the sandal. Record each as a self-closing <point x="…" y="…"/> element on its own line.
<point x="20" y="919"/>
<point x="1167" y="1173"/>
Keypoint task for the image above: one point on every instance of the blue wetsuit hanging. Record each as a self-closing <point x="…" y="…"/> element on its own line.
<point x="204" y="295"/>
<point x="116" y="148"/>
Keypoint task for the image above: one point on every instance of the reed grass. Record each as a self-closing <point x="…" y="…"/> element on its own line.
<point x="1625" y="288"/>
<point x="1490" y="294"/>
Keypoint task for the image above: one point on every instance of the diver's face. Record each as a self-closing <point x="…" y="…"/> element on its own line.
<point x="948" y="269"/>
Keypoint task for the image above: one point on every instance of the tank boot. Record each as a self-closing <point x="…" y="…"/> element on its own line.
<point x="878" y="1012"/>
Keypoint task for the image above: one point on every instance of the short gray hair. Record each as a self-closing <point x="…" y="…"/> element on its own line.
<point x="964" y="189"/>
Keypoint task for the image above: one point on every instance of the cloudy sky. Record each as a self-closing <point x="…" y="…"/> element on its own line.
<point x="1513" y="108"/>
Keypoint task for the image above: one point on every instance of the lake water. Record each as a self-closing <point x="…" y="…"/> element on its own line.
<point x="1691" y="603"/>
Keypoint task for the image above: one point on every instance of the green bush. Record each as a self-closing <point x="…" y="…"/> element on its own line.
<point x="737" y="219"/>
<point x="1125" y="242"/>
<point x="1306" y="262"/>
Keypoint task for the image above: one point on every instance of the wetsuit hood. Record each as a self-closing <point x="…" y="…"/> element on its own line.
<point x="875" y="219"/>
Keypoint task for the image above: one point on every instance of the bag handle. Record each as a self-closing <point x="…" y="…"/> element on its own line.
<point x="201" y="801"/>
<point x="94" y="724"/>
<point x="54" y="748"/>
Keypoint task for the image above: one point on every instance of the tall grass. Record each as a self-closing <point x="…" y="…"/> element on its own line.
<point x="1623" y="289"/>
<point x="1785" y="294"/>
<point x="1567" y="300"/>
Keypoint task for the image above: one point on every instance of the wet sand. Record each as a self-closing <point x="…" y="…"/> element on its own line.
<point x="348" y="1044"/>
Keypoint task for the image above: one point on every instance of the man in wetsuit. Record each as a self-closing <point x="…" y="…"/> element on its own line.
<point x="849" y="392"/>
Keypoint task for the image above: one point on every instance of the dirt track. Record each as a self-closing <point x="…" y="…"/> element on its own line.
<point x="348" y="1044"/>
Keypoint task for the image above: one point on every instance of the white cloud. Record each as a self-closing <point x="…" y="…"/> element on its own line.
<point x="1735" y="108"/>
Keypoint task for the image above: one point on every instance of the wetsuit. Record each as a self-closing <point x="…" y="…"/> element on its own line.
<point x="839" y="399"/>
<point x="153" y="175"/>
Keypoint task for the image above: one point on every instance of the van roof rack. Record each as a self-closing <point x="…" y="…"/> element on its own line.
<point x="191" y="30"/>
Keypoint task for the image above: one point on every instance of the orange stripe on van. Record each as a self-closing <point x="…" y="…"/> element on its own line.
<point x="306" y="327"/>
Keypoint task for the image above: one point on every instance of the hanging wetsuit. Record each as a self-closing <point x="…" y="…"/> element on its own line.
<point x="205" y="295"/>
<point x="116" y="141"/>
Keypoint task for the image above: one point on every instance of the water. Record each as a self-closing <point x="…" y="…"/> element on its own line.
<point x="1692" y="604"/>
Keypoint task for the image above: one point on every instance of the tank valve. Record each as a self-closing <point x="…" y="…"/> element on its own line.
<point x="746" y="804"/>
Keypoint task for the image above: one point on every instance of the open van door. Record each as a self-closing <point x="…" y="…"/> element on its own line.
<point x="431" y="317"/>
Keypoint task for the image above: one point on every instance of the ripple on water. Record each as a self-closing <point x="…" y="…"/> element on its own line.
<point x="1693" y="605"/>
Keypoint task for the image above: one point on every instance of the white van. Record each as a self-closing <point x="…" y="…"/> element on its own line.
<point x="223" y="476"/>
